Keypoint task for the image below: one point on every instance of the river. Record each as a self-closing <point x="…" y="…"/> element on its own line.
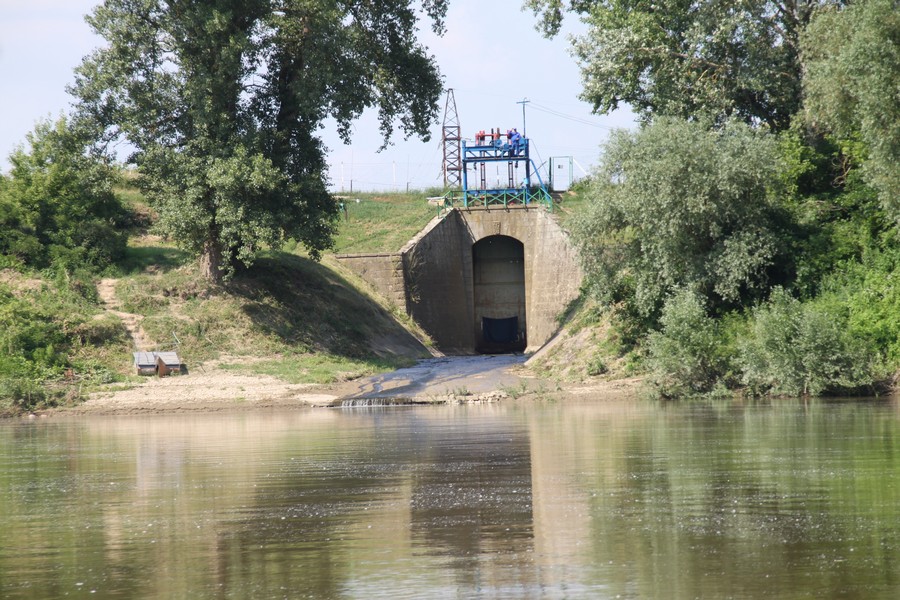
<point x="588" y="498"/>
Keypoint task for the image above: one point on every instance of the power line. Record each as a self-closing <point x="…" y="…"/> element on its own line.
<point x="556" y="113"/>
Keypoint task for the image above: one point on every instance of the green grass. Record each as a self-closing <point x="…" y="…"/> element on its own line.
<point x="381" y="222"/>
<point x="140" y="257"/>
<point x="573" y="203"/>
<point x="130" y="195"/>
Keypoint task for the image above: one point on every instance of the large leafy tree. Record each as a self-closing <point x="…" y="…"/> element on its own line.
<point x="679" y="206"/>
<point x="852" y="84"/>
<point x="720" y="58"/>
<point x="223" y="101"/>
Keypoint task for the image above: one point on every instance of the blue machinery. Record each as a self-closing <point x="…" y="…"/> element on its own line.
<point x="514" y="152"/>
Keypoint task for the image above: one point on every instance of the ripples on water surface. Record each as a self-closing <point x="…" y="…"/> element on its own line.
<point x="571" y="500"/>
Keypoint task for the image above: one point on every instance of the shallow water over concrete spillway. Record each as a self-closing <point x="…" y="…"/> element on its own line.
<point x="438" y="379"/>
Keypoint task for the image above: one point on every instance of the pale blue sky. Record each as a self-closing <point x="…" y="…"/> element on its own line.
<point x="491" y="56"/>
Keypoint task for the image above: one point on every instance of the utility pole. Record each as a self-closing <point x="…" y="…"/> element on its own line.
<point x="523" y="102"/>
<point x="451" y="143"/>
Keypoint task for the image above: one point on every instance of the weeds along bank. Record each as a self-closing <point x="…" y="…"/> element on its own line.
<point x="293" y="318"/>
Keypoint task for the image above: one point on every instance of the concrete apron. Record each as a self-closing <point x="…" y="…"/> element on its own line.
<point x="440" y="379"/>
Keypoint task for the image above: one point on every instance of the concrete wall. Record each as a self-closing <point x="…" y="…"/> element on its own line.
<point x="438" y="281"/>
<point x="383" y="271"/>
<point x="438" y="266"/>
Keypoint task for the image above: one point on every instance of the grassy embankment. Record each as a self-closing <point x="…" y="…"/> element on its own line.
<point x="288" y="316"/>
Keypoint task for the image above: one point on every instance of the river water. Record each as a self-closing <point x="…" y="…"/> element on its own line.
<point x="577" y="499"/>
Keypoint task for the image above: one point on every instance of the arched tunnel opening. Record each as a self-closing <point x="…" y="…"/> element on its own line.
<point x="498" y="269"/>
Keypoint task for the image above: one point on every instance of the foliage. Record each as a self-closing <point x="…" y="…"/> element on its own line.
<point x="44" y="330"/>
<point x="223" y="101"/>
<point x="57" y="205"/>
<point x="676" y="205"/>
<point x="835" y="217"/>
<point x="686" y="356"/>
<point x="688" y="224"/>
<point x="671" y="57"/>
<point x="867" y="292"/>
<point x="797" y="348"/>
<point x="852" y="60"/>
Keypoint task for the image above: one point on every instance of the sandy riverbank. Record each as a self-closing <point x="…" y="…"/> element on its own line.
<point x="214" y="390"/>
<point x="218" y="389"/>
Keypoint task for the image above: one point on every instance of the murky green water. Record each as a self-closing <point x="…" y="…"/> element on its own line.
<point x="569" y="500"/>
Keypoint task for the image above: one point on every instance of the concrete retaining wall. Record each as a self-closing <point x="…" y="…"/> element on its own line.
<point x="383" y="271"/>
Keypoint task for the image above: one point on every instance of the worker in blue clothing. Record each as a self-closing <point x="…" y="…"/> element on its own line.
<point x="514" y="141"/>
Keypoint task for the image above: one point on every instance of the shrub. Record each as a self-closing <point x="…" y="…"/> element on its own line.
<point x="685" y="357"/>
<point x="57" y="206"/>
<point x="796" y="348"/>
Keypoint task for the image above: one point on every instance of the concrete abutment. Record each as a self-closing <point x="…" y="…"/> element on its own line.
<point x="467" y="265"/>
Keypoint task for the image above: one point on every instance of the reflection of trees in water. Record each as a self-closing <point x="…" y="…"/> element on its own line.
<point x="714" y="499"/>
<point x="472" y="496"/>
<point x="407" y="490"/>
<point x="640" y="499"/>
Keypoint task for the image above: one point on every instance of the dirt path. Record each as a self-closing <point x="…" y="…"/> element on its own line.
<point x="106" y="290"/>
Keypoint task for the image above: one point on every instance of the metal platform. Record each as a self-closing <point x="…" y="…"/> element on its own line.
<point x="494" y="149"/>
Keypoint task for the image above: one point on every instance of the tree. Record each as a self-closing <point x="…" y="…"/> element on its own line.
<point x="223" y="100"/>
<point x="852" y="60"/>
<point x="57" y="205"/>
<point x="719" y="58"/>
<point x="677" y="205"/>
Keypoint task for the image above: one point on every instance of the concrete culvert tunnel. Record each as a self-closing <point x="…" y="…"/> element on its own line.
<point x="498" y="273"/>
<point x="513" y="267"/>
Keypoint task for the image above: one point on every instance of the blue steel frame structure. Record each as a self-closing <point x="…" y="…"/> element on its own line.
<point x="493" y="150"/>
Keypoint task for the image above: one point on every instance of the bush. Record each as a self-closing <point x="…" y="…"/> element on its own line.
<point x="19" y="391"/>
<point x="687" y="356"/>
<point x="868" y="293"/>
<point x="796" y="349"/>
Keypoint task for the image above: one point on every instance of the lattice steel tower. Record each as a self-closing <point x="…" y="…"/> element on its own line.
<point x="451" y="143"/>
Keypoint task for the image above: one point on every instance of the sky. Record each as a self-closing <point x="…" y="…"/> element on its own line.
<point x="491" y="56"/>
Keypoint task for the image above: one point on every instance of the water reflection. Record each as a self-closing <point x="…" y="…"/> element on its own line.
<point x="581" y="499"/>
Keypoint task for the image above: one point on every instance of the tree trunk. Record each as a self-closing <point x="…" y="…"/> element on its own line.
<point x="211" y="261"/>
